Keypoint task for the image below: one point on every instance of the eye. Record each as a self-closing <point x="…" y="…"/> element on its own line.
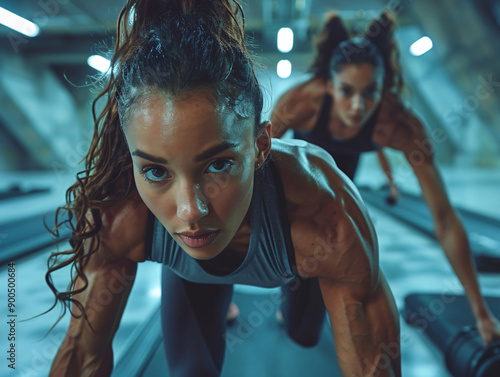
<point x="219" y="166"/>
<point x="345" y="91"/>
<point x="370" y="93"/>
<point x="153" y="175"/>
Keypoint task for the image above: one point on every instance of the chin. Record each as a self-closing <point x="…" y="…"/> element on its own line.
<point x="202" y="253"/>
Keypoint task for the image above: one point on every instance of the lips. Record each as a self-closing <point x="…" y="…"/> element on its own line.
<point x="199" y="238"/>
<point x="356" y="118"/>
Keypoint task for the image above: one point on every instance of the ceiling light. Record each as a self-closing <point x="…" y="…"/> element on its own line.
<point x="285" y="39"/>
<point x="18" y="23"/>
<point x="99" y="63"/>
<point x="284" y="69"/>
<point x="421" y="46"/>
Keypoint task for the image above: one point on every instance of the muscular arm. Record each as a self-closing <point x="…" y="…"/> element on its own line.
<point x="365" y="327"/>
<point x="86" y="351"/>
<point x="335" y="241"/>
<point x="384" y="163"/>
<point x="360" y="305"/>
<point x="298" y="108"/>
<point x="400" y="129"/>
<point x="110" y="271"/>
<point x="405" y="132"/>
<point x="453" y="239"/>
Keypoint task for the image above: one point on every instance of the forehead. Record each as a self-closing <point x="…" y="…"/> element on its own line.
<point x="160" y="118"/>
<point x="357" y="75"/>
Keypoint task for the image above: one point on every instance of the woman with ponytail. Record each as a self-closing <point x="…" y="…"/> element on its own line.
<point x="181" y="171"/>
<point x="352" y="105"/>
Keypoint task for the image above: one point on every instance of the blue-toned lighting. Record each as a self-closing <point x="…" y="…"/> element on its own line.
<point x="155" y="292"/>
<point x="99" y="63"/>
<point x="285" y="39"/>
<point x="421" y="46"/>
<point x="284" y="69"/>
<point x="18" y="23"/>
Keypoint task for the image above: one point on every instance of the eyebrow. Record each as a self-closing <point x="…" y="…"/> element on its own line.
<point x="146" y="156"/>
<point x="202" y="156"/>
<point x="215" y="150"/>
<point x="372" y="84"/>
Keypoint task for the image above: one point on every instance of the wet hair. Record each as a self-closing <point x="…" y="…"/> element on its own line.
<point x="197" y="44"/>
<point x="166" y="47"/>
<point x="335" y="49"/>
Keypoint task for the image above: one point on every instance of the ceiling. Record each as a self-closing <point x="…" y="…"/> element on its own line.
<point x="72" y="29"/>
<point x="465" y="34"/>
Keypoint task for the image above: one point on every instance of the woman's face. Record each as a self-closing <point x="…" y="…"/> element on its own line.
<point x="357" y="90"/>
<point x="194" y="168"/>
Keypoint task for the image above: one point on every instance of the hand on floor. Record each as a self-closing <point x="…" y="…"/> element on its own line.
<point x="489" y="329"/>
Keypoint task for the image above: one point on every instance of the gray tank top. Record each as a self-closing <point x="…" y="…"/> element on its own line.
<point x="270" y="260"/>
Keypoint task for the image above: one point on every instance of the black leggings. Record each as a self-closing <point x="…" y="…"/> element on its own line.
<point x="194" y="321"/>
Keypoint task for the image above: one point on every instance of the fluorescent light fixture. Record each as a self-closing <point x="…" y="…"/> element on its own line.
<point x="284" y="69"/>
<point x="421" y="46"/>
<point x="18" y="23"/>
<point x="99" y="63"/>
<point x="285" y="39"/>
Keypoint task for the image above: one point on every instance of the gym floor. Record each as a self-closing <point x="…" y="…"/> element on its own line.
<point x="411" y="261"/>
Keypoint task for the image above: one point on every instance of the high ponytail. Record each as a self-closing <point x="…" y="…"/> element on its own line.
<point x="166" y="46"/>
<point x="380" y="32"/>
<point x="333" y="33"/>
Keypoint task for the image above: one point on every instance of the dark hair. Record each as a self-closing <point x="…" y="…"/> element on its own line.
<point x="190" y="48"/>
<point x="376" y="46"/>
<point x="355" y="51"/>
<point x="380" y="32"/>
<point x="173" y="47"/>
<point x="333" y="33"/>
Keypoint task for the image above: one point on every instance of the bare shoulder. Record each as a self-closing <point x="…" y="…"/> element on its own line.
<point x="399" y="128"/>
<point x="332" y="232"/>
<point x="308" y="169"/>
<point x="299" y="106"/>
<point x="312" y="88"/>
<point x="123" y="231"/>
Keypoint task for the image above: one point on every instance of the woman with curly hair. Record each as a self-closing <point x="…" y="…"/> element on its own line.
<point x="182" y="171"/>
<point x="352" y="105"/>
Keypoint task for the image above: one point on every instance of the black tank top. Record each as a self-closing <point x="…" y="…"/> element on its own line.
<point x="345" y="152"/>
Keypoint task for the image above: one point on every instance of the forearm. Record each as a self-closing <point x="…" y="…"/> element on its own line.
<point x="384" y="164"/>
<point x="73" y="360"/>
<point x="86" y="349"/>
<point x="367" y="335"/>
<point x="455" y="244"/>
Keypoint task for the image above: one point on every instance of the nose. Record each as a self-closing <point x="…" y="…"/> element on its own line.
<point x="191" y="204"/>
<point x="358" y="103"/>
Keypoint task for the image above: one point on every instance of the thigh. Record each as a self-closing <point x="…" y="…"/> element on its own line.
<point x="193" y="324"/>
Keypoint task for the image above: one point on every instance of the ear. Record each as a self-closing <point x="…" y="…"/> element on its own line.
<point x="263" y="144"/>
